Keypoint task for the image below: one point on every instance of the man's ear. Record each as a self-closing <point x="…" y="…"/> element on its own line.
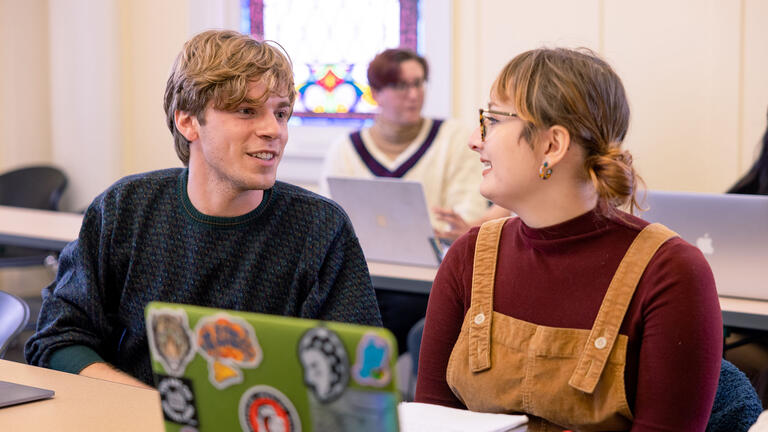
<point x="375" y="94"/>
<point x="556" y="145"/>
<point x="187" y="125"/>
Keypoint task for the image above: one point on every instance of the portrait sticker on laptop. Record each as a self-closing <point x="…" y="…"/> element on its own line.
<point x="171" y="339"/>
<point x="264" y="408"/>
<point x="325" y="363"/>
<point x="372" y="362"/>
<point x="228" y="344"/>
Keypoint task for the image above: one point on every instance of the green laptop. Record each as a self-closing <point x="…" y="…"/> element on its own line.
<point x="221" y="370"/>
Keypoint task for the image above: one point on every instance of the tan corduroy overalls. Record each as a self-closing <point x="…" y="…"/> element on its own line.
<point x="562" y="378"/>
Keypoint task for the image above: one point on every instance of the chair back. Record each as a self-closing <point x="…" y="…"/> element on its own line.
<point x="36" y="187"/>
<point x="413" y="343"/>
<point x="14" y="315"/>
<point x="737" y="405"/>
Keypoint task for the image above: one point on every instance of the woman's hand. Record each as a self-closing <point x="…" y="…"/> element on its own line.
<point x="457" y="226"/>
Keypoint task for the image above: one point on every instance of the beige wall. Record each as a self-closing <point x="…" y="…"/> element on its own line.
<point x="152" y="32"/>
<point x="81" y="85"/>
<point x="25" y="133"/>
<point x="84" y="89"/>
<point x="694" y="71"/>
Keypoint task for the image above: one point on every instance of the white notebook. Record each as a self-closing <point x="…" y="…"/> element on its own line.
<point x="421" y="417"/>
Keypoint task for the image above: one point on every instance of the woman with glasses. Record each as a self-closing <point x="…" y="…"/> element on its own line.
<point x="403" y="144"/>
<point x="575" y="313"/>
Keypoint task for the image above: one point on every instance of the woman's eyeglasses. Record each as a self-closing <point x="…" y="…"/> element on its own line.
<point x="486" y="121"/>
<point x="404" y="86"/>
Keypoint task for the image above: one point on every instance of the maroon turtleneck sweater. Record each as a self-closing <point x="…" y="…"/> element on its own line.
<point x="557" y="276"/>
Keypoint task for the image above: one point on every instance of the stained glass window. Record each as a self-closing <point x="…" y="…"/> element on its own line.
<point x="331" y="43"/>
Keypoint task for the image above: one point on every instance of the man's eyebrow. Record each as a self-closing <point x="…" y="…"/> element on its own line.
<point x="251" y="101"/>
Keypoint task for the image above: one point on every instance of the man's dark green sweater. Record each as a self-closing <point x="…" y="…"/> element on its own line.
<point x="142" y="240"/>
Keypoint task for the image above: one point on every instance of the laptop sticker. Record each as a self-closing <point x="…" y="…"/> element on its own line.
<point x="372" y="363"/>
<point x="266" y="409"/>
<point x="325" y="363"/>
<point x="170" y="339"/>
<point x="228" y="344"/>
<point x="356" y="410"/>
<point x="177" y="400"/>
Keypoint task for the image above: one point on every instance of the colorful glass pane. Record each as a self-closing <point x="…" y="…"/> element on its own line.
<point x="331" y="43"/>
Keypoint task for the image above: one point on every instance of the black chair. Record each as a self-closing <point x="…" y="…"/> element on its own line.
<point x="413" y="344"/>
<point x="14" y="315"/>
<point x="35" y="187"/>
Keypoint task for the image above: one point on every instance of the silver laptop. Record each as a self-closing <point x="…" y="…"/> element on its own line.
<point x="730" y="230"/>
<point x="14" y="394"/>
<point x="390" y="218"/>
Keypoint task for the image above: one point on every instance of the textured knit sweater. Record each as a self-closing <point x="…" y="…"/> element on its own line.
<point x="296" y="254"/>
<point x="557" y="276"/>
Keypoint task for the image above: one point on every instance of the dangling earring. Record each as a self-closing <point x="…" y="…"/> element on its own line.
<point x="544" y="171"/>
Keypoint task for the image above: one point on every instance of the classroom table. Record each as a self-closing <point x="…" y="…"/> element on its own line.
<point x="43" y="229"/>
<point x="52" y="230"/>
<point x="80" y="403"/>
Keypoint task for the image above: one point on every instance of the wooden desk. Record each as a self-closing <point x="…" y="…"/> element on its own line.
<point x="396" y="277"/>
<point x="80" y="403"/>
<point x="42" y="229"/>
<point x="744" y="313"/>
<point x="737" y="312"/>
<point x="53" y="230"/>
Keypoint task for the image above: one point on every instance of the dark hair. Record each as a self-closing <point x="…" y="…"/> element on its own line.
<point x="756" y="180"/>
<point x="384" y="69"/>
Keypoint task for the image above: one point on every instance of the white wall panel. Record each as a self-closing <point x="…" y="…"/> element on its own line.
<point x="152" y="35"/>
<point x="681" y="62"/>
<point x="755" y="79"/>
<point x="85" y="95"/>
<point x="680" y="65"/>
<point x="25" y="117"/>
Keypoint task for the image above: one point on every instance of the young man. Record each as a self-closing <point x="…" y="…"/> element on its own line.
<point x="221" y="232"/>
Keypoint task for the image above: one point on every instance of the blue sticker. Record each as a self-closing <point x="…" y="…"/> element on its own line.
<point x="372" y="363"/>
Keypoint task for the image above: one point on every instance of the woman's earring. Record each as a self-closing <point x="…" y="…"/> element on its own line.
<point x="544" y="171"/>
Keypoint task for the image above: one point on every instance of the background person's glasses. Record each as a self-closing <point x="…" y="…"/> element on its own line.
<point x="403" y="86"/>
<point x="486" y="121"/>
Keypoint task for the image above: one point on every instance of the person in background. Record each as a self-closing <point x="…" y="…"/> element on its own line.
<point x="755" y="181"/>
<point x="574" y="313"/>
<point x="752" y="357"/>
<point x="403" y="144"/>
<point x="457" y="226"/>
<point x="220" y="232"/>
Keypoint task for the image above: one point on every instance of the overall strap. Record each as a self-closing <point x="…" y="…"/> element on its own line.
<point x="608" y="322"/>
<point x="481" y="306"/>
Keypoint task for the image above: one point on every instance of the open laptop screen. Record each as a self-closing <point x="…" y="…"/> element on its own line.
<point x="390" y="218"/>
<point x="730" y="230"/>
